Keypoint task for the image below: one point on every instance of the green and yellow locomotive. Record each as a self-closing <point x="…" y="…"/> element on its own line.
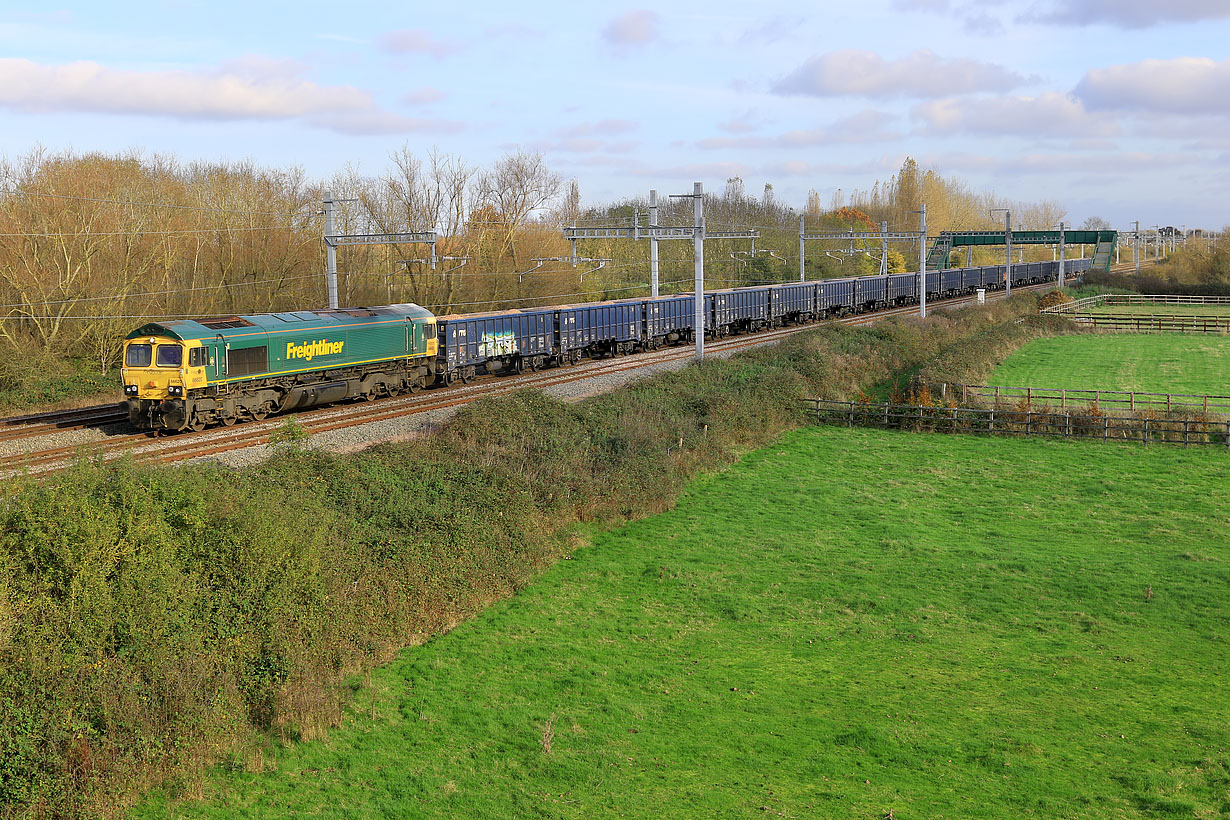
<point x="190" y="374"/>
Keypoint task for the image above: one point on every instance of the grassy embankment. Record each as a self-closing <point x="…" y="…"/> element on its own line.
<point x="849" y="623"/>
<point x="153" y="621"/>
<point x="1148" y="362"/>
<point x="39" y="383"/>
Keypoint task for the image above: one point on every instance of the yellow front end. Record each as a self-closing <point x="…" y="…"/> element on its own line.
<point x="158" y="374"/>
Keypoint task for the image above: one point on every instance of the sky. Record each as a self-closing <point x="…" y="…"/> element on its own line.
<point x="1112" y="108"/>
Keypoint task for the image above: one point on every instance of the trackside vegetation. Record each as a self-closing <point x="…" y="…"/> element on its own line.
<point x="153" y="621"/>
<point x="935" y="628"/>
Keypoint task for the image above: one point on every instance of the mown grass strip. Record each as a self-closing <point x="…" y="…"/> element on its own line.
<point x="1150" y="362"/>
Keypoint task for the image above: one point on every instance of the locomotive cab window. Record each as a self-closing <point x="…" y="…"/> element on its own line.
<point x="170" y="355"/>
<point x="139" y="355"/>
<point x="197" y="357"/>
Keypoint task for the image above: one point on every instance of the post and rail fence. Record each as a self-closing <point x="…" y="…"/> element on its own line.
<point x="1146" y="428"/>
<point x="1135" y="299"/>
<point x="1153" y="322"/>
<point x="1063" y="397"/>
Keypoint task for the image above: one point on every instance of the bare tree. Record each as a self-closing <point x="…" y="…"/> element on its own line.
<point x="515" y="188"/>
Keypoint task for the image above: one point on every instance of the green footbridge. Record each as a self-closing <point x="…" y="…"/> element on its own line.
<point x="1103" y="244"/>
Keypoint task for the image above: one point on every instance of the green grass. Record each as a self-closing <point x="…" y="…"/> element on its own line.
<point x="1163" y="310"/>
<point x="1148" y="362"/>
<point x="938" y="627"/>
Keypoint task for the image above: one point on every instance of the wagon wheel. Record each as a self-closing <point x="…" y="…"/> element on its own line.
<point x="450" y="378"/>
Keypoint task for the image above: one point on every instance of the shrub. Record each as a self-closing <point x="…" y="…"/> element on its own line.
<point x="1054" y="299"/>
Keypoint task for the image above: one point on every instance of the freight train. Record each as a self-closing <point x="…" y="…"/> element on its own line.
<point x="192" y="374"/>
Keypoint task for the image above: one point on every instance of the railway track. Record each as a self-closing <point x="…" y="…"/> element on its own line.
<point x="148" y="448"/>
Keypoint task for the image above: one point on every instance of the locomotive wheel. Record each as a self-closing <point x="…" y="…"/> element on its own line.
<point x="261" y="413"/>
<point x="228" y="421"/>
<point x="197" y="425"/>
<point x="415" y="385"/>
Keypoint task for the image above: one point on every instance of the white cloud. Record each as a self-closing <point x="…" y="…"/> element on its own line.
<point x="424" y="95"/>
<point x="1128" y="13"/>
<point x="744" y="123"/>
<point x="1049" y="114"/>
<point x="983" y="24"/>
<point x="601" y="128"/>
<point x="921" y="74"/>
<point x="255" y="88"/>
<point x="864" y="127"/>
<point x="632" y="29"/>
<point x="416" y="41"/>
<point x="1185" y="85"/>
<point x="772" y="31"/>
<point x="1067" y="163"/>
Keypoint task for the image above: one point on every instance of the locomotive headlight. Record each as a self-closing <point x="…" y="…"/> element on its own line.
<point x="175" y="390"/>
<point x="130" y="389"/>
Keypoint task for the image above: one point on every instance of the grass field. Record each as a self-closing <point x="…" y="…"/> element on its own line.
<point x="1149" y="362"/>
<point x="942" y="626"/>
